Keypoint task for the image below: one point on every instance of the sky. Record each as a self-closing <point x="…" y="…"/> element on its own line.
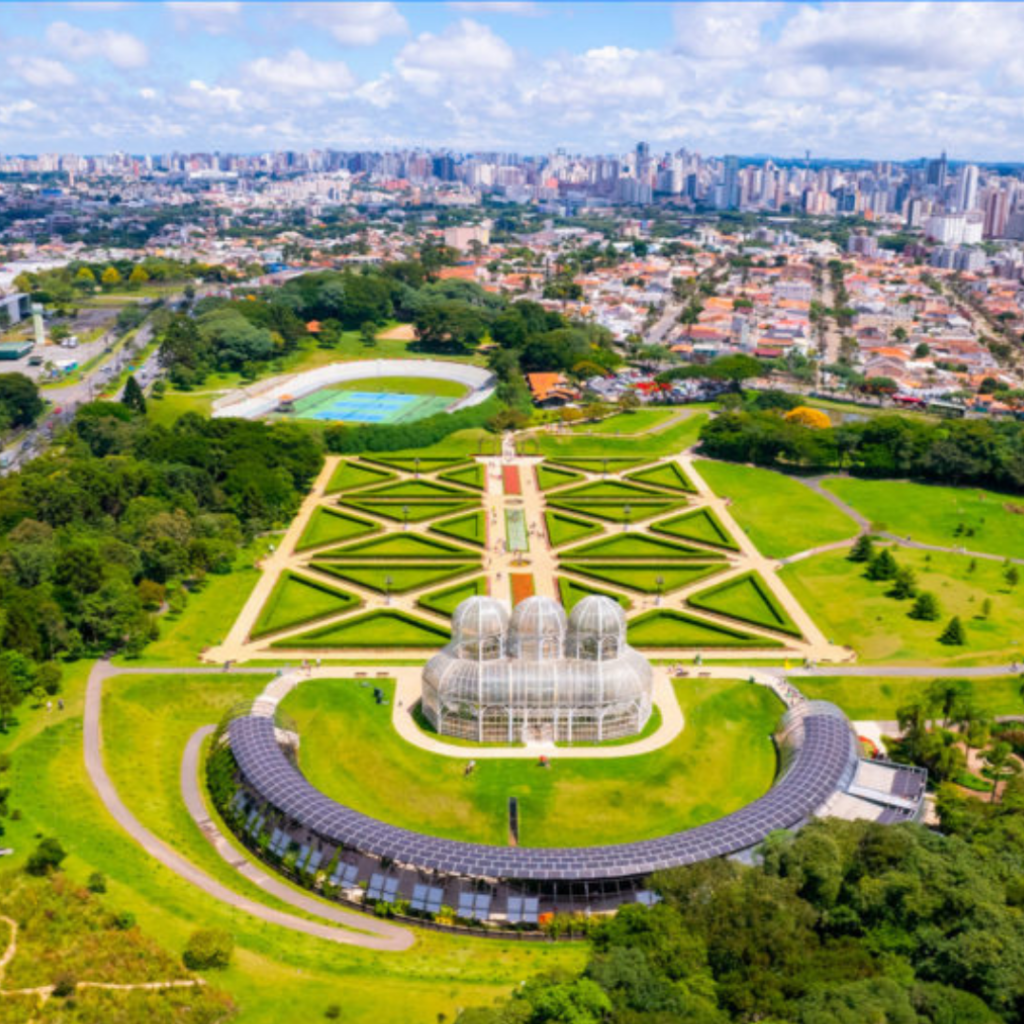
<point x="869" y="80"/>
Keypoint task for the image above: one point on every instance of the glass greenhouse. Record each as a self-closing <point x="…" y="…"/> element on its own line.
<point x="536" y="675"/>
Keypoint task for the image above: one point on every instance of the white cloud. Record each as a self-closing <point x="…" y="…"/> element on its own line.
<point x="9" y="111"/>
<point x="147" y="93"/>
<point x="353" y="24"/>
<point x="41" y="72"/>
<point x="465" y="51"/>
<point x="210" y="98"/>
<point x="722" y="31"/>
<point x="524" y="8"/>
<point x="213" y="16"/>
<point x="119" y="48"/>
<point x="298" y="71"/>
<point x="907" y="37"/>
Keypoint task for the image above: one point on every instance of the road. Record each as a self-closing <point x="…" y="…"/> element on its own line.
<point x="66" y="400"/>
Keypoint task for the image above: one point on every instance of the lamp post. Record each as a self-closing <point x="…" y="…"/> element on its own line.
<point x="387" y="590"/>
<point x="660" y="581"/>
<point x="626" y="512"/>
<point x="416" y="463"/>
<point x="405" y="517"/>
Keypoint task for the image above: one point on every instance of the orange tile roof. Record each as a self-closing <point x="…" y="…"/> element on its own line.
<point x="542" y="384"/>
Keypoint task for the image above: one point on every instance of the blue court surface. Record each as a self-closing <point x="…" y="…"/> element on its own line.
<point x="366" y="406"/>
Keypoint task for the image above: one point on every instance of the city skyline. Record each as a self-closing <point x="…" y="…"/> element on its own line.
<point x="845" y="81"/>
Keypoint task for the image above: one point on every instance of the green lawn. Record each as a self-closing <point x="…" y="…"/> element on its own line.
<point x="748" y="599"/>
<point x="445" y="601"/>
<point x="383" y="628"/>
<point x="630" y="512"/>
<point x="563" y="528"/>
<point x="723" y="759"/>
<point x="468" y="476"/>
<point x="571" y="592"/>
<point x="780" y="514"/>
<point x="611" y="490"/>
<point x="350" y="475"/>
<point x="409" y="510"/>
<point x="647" y="579"/>
<point x="416" y="490"/>
<point x="637" y="545"/>
<point x="702" y="525"/>
<point x="669" y="475"/>
<point x="666" y="627"/>
<point x="471" y="527"/>
<point x="403" y="577"/>
<point x="854" y="611"/>
<point x="879" y="697"/>
<point x="276" y="974"/>
<point x="552" y="476"/>
<point x="637" y="421"/>
<point x="398" y="545"/>
<point x="297" y="599"/>
<point x="986" y="521"/>
<point x="327" y="526"/>
<point x="670" y="441"/>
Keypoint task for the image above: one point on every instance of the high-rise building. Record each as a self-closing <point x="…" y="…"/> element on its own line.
<point x="967" y="193"/>
<point x="938" y="171"/>
<point x="731" y="182"/>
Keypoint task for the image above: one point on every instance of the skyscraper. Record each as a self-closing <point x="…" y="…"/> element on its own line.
<point x="967" y="193"/>
<point x="730" y="182"/>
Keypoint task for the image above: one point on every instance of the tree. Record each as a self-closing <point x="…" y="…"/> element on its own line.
<point x="20" y="403"/>
<point x="137" y="277"/>
<point x="926" y="608"/>
<point x="883" y="566"/>
<point x="85" y="278"/>
<point x="998" y="758"/>
<point x="953" y="635"/>
<point x="368" y="333"/>
<point x="132" y="397"/>
<point x="47" y="857"/>
<point x="815" y="419"/>
<point x="11" y="695"/>
<point x="208" y="948"/>
<point x="1012" y="575"/>
<point x="863" y="550"/>
<point x="110" y="278"/>
<point x="904" y="583"/>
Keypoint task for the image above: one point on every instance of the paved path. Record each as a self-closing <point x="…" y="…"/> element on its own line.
<point x="409" y="682"/>
<point x="382" y="936"/>
<point x="905" y="671"/>
<point x="816" y="484"/>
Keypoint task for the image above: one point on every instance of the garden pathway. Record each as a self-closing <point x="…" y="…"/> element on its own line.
<point x="373" y="934"/>
<point x="408" y="686"/>
<point x="816" y="484"/>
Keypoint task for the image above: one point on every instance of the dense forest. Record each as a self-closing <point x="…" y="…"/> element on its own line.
<point x="123" y="516"/>
<point x="842" y="923"/>
<point x="985" y="453"/>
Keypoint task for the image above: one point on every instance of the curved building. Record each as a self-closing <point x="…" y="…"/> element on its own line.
<point x="536" y="675"/>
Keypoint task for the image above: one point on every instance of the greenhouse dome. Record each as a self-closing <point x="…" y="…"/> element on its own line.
<point x="536" y="675"/>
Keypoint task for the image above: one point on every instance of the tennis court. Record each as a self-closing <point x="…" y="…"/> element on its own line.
<point x="336" y="406"/>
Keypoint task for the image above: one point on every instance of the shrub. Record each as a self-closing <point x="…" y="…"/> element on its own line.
<point x="64" y="985"/>
<point x="124" y="921"/>
<point x="46" y="857"/>
<point x="883" y="566"/>
<point x="926" y="608"/>
<point x="208" y="948"/>
<point x="5" y="762"/>
<point x="333" y="1012"/>
<point x="97" y="883"/>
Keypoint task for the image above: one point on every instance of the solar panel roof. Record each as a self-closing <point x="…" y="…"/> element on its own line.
<point x="816" y="770"/>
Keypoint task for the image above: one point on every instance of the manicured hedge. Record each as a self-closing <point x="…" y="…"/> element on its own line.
<point x="665" y="627"/>
<point x="644" y="578"/>
<point x="406" y="546"/>
<point x="471" y="527"/>
<point x="702" y="524"/>
<point x="326" y="526"/>
<point x="571" y="592"/>
<point x="298" y="599"/>
<point x="403" y="577"/>
<point x="749" y="599"/>
<point x="637" y="545"/>
<point x="562" y="528"/>
<point x="552" y="476"/>
<point x="445" y="601"/>
<point x="384" y="628"/>
<point x="669" y="475"/>
<point x="350" y="475"/>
